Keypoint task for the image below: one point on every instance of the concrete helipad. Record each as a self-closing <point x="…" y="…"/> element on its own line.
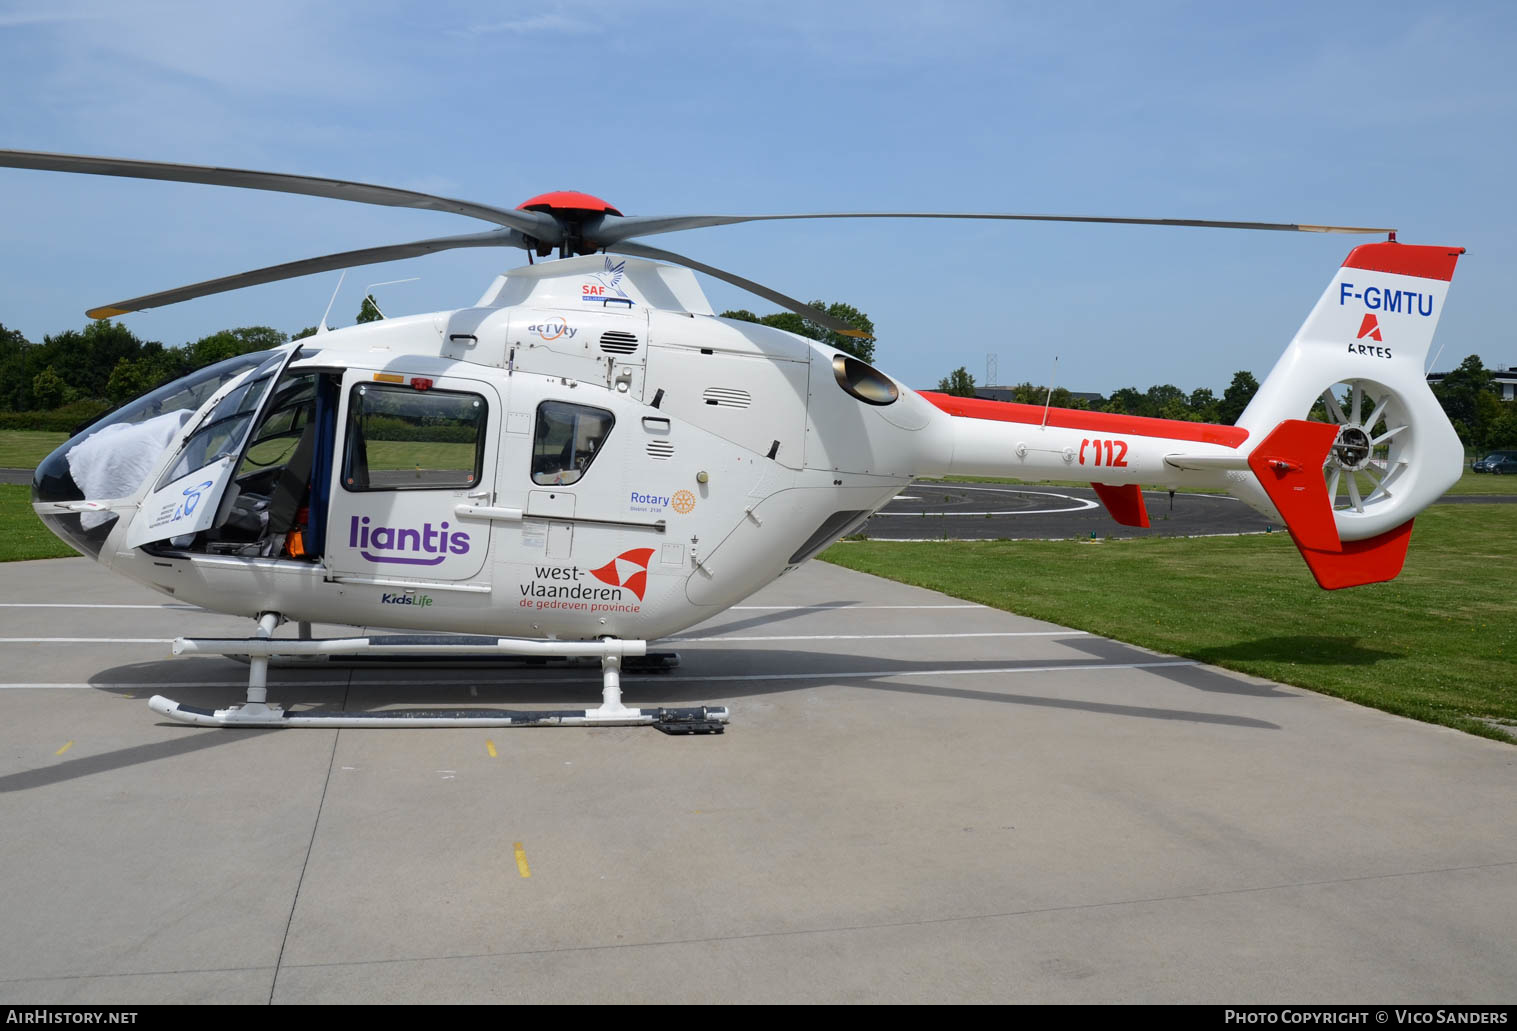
<point x="939" y="510"/>
<point x="918" y="800"/>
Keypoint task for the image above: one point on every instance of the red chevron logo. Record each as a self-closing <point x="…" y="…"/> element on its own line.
<point x="1370" y="327"/>
<point x="629" y="570"/>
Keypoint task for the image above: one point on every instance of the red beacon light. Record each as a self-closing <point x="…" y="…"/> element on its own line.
<point x="418" y="383"/>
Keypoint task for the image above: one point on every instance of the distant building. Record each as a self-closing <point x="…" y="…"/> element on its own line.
<point x="1504" y="376"/>
<point x="1004" y="394"/>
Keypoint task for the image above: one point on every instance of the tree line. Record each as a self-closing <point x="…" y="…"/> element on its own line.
<point x="1470" y="397"/>
<point x="1161" y="401"/>
<point x="76" y="375"/>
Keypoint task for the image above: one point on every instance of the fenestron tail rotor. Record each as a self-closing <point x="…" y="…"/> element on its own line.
<point x="573" y="223"/>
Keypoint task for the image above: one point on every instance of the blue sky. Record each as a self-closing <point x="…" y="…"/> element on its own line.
<point x="1353" y="113"/>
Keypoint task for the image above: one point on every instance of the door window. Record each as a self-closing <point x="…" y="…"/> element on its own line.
<point x="567" y="440"/>
<point x="402" y="438"/>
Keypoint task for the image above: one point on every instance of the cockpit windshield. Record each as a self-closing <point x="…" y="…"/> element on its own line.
<point x="185" y="394"/>
<point x="111" y="458"/>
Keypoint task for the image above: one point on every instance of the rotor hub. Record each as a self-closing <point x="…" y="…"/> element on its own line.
<point x="568" y="204"/>
<point x="1352" y="449"/>
<point x="573" y="211"/>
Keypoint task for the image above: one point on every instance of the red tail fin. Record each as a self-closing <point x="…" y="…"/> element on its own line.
<point x="1369" y="561"/>
<point x="1125" y="503"/>
<point x="1288" y="464"/>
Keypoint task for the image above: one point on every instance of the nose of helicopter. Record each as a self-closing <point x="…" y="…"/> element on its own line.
<point x="52" y="481"/>
<point x="56" y="481"/>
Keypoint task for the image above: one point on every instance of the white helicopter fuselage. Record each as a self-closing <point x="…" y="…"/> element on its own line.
<point x="733" y="454"/>
<point x="590" y="452"/>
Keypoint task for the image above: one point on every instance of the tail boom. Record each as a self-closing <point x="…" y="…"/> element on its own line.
<point x="997" y="438"/>
<point x="1371" y="331"/>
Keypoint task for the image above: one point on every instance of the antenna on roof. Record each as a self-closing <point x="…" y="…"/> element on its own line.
<point x="369" y="293"/>
<point x="323" y="327"/>
<point x="1051" y="377"/>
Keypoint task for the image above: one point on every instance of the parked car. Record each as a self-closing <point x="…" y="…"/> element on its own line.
<point x="1497" y="462"/>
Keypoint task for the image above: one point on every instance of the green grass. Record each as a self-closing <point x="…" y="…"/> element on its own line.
<point x="1436" y="644"/>
<point x="389" y="455"/>
<point x="22" y="534"/>
<point x="421" y="454"/>
<point x="1484" y="483"/>
<point x="24" y="449"/>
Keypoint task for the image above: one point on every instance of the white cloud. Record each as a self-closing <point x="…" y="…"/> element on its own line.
<point x="533" y="24"/>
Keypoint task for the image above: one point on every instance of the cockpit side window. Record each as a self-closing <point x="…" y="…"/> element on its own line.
<point x="401" y="438"/>
<point x="567" y="440"/>
<point x="223" y="429"/>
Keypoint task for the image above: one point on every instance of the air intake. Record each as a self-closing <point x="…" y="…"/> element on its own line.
<point x="661" y="450"/>
<point x="615" y="341"/>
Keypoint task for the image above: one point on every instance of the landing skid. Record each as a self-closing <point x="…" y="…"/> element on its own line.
<point x="261" y="649"/>
<point x="703" y="720"/>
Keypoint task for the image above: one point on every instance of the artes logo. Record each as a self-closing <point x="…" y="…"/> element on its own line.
<point x="1370" y="327"/>
<point x="629" y="570"/>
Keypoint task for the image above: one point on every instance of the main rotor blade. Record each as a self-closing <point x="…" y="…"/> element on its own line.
<point x="614" y="230"/>
<point x="308" y="266"/>
<point x="806" y="311"/>
<point x="533" y="223"/>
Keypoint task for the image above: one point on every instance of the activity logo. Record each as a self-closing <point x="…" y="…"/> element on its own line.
<point x="404" y="545"/>
<point x="554" y="328"/>
<point x="607" y="285"/>
<point x="683" y="501"/>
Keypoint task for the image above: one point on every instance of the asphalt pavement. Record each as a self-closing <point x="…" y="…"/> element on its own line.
<point x="918" y="800"/>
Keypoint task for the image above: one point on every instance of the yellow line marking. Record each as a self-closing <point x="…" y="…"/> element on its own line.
<point x="65" y="748"/>
<point x="490" y="747"/>
<point x="521" y="862"/>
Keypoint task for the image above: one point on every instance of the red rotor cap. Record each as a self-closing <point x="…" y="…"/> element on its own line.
<point x="567" y="200"/>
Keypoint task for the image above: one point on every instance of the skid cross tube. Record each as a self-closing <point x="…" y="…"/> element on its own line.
<point x="256" y="712"/>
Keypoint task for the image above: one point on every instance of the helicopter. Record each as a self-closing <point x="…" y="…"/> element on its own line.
<point x="589" y="458"/>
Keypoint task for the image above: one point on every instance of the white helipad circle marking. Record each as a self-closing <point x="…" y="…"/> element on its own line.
<point x="1077" y="504"/>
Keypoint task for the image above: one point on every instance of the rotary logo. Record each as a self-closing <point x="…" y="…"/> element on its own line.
<point x="682" y="502"/>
